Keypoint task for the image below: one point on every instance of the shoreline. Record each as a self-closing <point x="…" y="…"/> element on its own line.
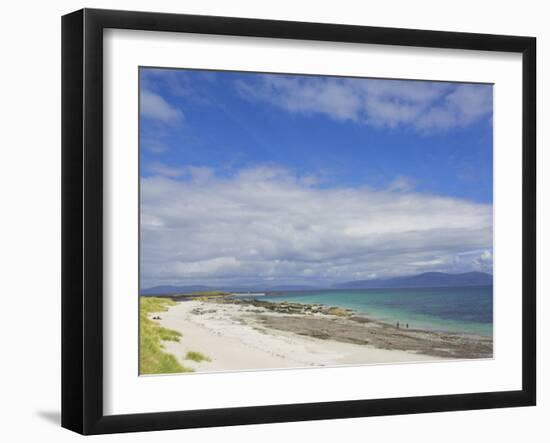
<point x="355" y="315"/>
<point x="235" y="334"/>
<point x="392" y="317"/>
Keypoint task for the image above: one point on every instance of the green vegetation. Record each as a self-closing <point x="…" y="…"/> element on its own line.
<point x="206" y="295"/>
<point x="152" y="358"/>
<point x="196" y="356"/>
<point x="340" y="312"/>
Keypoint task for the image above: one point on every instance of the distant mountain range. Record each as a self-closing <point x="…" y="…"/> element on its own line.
<point x="166" y="289"/>
<point x="424" y="280"/>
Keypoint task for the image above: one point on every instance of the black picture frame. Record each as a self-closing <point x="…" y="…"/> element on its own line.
<point x="82" y="219"/>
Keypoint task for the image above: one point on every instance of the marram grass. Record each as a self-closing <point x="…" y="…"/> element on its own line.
<point x="152" y="358"/>
<point x="196" y="356"/>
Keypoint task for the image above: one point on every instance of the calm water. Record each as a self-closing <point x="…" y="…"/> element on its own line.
<point x="460" y="309"/>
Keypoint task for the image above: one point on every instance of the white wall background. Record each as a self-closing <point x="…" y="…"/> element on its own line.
<point x="30" y="218"/>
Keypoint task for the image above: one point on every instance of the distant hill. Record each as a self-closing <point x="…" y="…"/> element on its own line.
<point x="426" y="280"/>
<point x="289" y="288"/>
<point x="168" y="290"/>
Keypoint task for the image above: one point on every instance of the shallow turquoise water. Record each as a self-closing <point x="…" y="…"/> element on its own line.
<point x="453" y="309"/>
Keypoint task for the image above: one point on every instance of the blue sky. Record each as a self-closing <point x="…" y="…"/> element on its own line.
<point x="252" y="140"/>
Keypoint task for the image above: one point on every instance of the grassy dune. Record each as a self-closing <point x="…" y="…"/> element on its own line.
<point x="196" y="356"/>
<point x="152" y="358"/>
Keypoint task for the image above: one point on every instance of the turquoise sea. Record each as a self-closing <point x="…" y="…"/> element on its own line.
<point x="466" y="310"/>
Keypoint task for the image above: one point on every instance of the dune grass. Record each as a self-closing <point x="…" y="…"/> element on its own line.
<point x="196" y="356"/>
<point x="152" y="358"/>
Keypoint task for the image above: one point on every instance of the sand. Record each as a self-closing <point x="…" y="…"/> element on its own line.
<point x="244" y="337"/>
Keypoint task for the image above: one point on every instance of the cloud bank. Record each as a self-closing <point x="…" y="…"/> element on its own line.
<point x="155" y="107"/>
<point x="266" y="224"/>
<point x="424" y="106"/>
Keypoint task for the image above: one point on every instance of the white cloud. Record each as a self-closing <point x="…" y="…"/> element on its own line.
<point x="401" y="183"/>
<point x="154" y="146"/>
<point x="164" y="170"/>
<point x="196" y="173"/>
<point x="424" y="106"/>
<point x="305" y="95"/>
<point x="155" y="107"/>
<point x="465" y="105"/>
<point x="177" y="83"/>
<point x="266" y="224"/>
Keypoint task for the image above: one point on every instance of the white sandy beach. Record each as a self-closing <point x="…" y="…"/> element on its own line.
<point x="232" y="338"/>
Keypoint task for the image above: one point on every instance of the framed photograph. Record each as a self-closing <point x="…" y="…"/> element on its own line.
<point x="268" y="221"/>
